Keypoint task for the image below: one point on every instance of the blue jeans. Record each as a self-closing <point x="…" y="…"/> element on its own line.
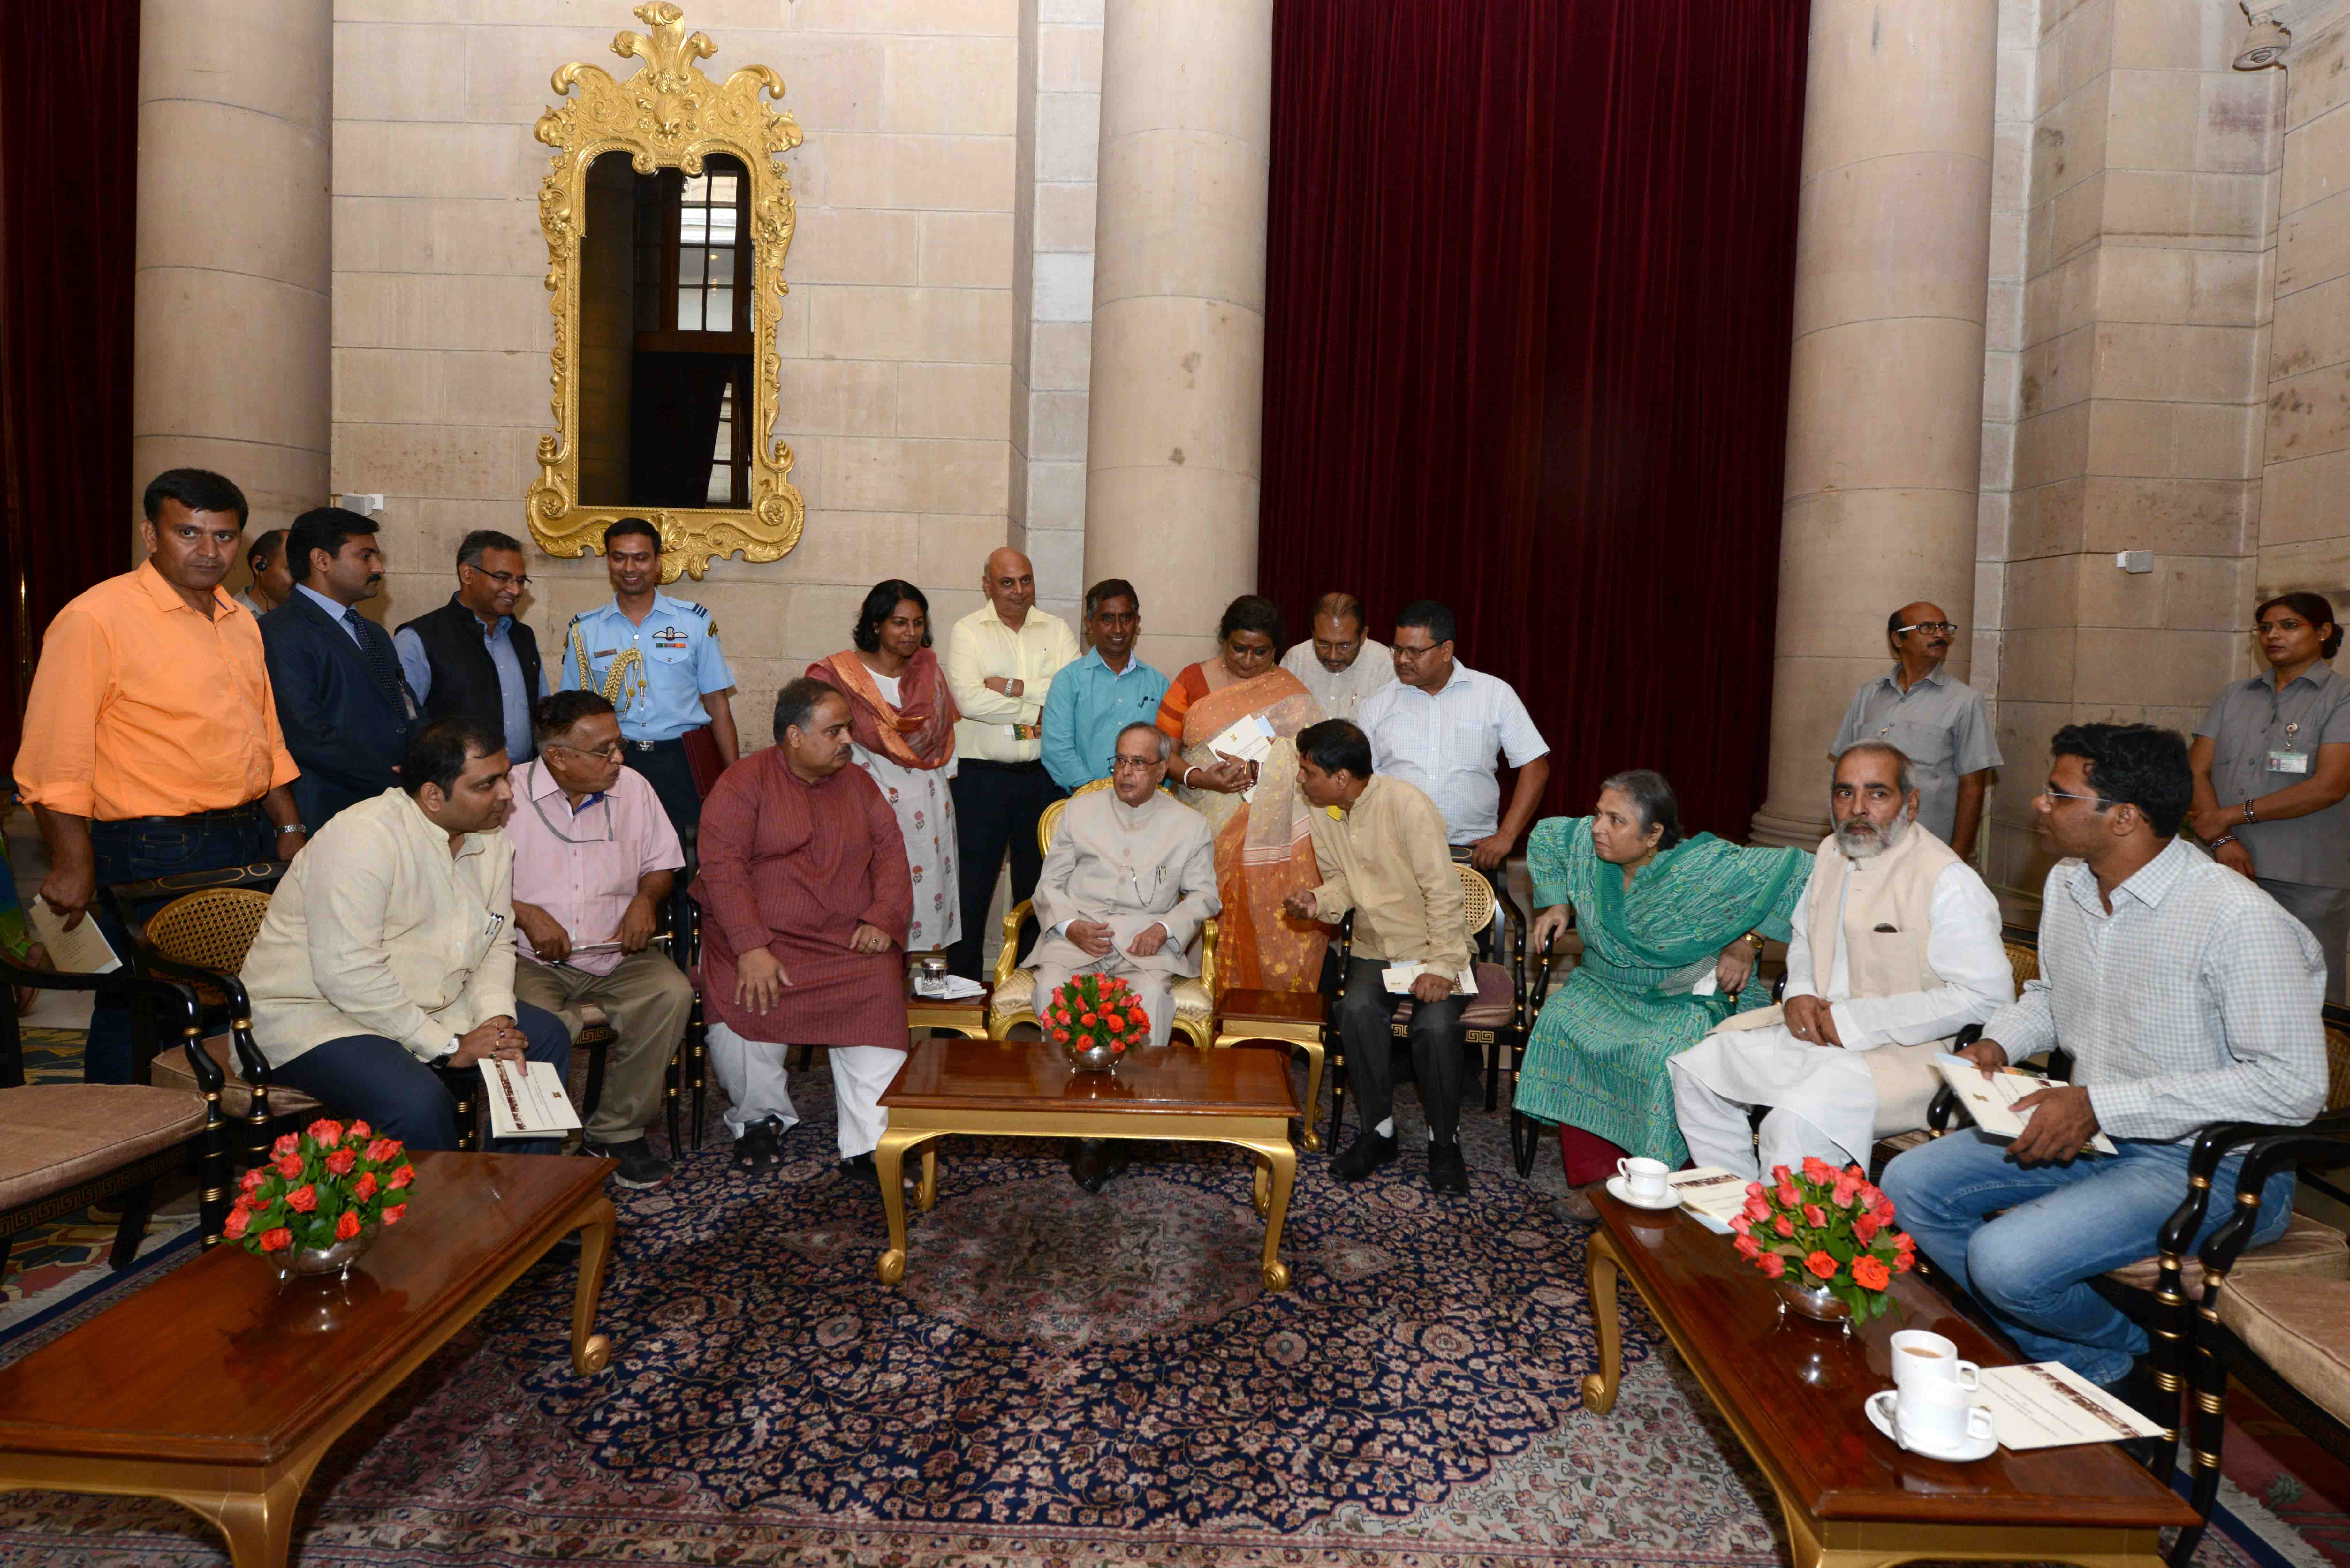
<point x="368" y="1076"/>
<point x="132" y="852"/>
<point x="2031" y="1267"/>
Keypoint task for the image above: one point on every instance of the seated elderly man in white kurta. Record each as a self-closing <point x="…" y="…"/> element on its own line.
<point x="1129" y="880"/>
<point x="1895" y="949"/>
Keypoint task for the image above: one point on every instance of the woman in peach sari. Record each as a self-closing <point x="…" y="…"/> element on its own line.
<point x="1262" y="853"/>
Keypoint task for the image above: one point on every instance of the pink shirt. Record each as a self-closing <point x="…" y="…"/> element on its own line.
<point x="582" y="867"/>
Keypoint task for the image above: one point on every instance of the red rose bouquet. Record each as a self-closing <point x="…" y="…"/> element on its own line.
<point x="1096" y="1018"/>
<point x="1826" y="1229"/>
<point x="324" y="1185"/>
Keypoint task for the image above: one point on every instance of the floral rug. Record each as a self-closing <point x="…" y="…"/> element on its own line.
<point x="1062" y="1379"/>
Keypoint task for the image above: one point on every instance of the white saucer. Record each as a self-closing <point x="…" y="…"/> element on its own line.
<point x="1880" y="1415"/>
<point x="1623" y="1194"/>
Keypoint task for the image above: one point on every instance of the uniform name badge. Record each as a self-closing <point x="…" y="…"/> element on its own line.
<point x="2288" y="762"/>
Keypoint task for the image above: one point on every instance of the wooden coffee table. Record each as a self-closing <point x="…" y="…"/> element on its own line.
<point x="219" y="1389"/>
<point x="1792" y="1390"/>
<point x="1012" y="1089"/>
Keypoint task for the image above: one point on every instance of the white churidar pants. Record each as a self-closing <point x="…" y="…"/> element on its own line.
<point x="752" y="1074"/>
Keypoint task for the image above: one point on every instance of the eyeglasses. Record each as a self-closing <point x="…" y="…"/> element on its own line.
<point x="2100" y="801"/>
<point x="611" y="751"/>
<point x="1931" y="626"/>
<point x="2284" y="625"/>
<point x="504" y="579"/>
<point x="1131" y="765"/>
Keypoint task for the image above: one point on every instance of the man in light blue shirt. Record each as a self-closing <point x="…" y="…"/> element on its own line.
<point x="1099" y="695"/>
<point x="656" y="660"/>
<point x="470" y="658"/>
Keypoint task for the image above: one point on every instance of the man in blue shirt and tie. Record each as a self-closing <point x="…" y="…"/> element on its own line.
<point x="656" y="660"/>
<point x="342" y="704"/>
<point x="1102" y="693"/>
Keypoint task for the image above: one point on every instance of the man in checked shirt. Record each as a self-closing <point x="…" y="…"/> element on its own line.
<point x="2186" y="996"/>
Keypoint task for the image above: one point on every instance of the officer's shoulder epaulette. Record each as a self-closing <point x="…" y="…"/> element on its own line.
<point x="700" y="609"/>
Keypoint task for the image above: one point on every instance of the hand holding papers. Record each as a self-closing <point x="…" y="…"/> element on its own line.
<point x="1250" y="741"/>
<point x="82" y="951"/>
<point x="1398" y="977"/>
<point x="526" y="1098"/>
<point x="1991" y="1101"/>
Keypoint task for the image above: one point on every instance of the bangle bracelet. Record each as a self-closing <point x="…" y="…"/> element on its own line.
<point x="291" y="827"/>
<point x="2223" y="838"/>
<point x="2249" y="815"/>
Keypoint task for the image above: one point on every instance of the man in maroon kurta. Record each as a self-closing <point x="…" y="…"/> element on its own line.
<point x="805" y="899"/>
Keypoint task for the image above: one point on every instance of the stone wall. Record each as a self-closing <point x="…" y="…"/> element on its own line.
<point x="898" y="335"/>
<point x="2149" y="245"/>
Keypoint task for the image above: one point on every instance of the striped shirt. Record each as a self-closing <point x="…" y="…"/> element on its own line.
<point x="2196" y="1001"/>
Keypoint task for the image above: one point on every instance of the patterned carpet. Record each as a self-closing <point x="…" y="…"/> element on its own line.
<point x="1062" y="1380"/>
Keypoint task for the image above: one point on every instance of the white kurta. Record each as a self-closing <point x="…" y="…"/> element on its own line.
<point x="1831" y="1088"/>
<point x="924" y="807"/>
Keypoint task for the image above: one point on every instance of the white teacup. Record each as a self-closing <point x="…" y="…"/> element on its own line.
<point x="1936" y="1415"/>
<point x="1920" y="1357"/>
<point x="1643" y="1179"/>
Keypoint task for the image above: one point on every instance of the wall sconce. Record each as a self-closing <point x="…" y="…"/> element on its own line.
<point x="2266" y="38"/>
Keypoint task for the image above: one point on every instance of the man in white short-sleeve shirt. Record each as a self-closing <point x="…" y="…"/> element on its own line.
<point x="1440" y="728"/>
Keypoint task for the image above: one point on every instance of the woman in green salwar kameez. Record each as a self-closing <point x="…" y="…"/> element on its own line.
<point x="1660" y="915"/>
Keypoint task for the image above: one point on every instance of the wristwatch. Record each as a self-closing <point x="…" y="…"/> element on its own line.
<point x="2249" y="815"/>
<point x="2223" y="838"/>
<point x="1756" y="940"/>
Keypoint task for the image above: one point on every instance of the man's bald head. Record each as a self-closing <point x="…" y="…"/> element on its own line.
<point x="1010" y="584"/>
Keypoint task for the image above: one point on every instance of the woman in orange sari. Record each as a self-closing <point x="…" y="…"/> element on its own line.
<point x="1262" y="853"/>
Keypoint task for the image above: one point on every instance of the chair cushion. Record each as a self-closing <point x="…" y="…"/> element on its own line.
<point x="57" y="1135"/>
<point x="170" y="1071"/>
<point x="1492" y="1007"/>
<point x="2299" y="1326"/>
<point x="2307" y="1248"/>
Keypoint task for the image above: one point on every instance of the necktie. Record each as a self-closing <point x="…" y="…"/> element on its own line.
<point x="382" y="662"/>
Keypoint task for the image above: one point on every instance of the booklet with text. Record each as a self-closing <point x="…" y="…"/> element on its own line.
<point x="82" y="951"/>
<point x="1991" y="1101"/>
<point x="527" y="1099"/>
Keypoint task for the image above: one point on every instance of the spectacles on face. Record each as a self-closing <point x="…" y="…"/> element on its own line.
<point x="1132" y="765"/>
<point x="1405" y="650"/>
<point x="2287" y="626"/>
<point x="1930" y="626"/>
<point x="516" y="580"/>
<point x="2099" y="801"/>
<point x="611" y="751"/>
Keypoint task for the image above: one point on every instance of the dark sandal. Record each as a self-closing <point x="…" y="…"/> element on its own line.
<point x="755" y="1150"/>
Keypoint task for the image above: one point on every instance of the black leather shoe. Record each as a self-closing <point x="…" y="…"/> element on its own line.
<point x="640" y="1169"/>
<point x="1089" y="1163"/>
<point x="1447" y="1173"/>
<point x="859" y="1167"/>
<point x="1369" y="1151"/>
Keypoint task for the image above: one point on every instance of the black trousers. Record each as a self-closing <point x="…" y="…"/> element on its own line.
<point x="671" y="776"/>
<point x="1366" y="1015"/>
<point x="996" y="807"/>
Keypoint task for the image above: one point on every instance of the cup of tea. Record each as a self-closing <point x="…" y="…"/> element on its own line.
<point x="1643" y="1179"/>
<point x="1934" y="1415"/>
<point x="1920" y="1357"/>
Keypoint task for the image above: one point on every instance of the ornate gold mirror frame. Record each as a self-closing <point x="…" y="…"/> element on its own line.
<point x="669" y="115"/>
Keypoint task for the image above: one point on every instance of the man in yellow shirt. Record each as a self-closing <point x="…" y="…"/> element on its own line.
<point x="1000" y="661"/>
<point x="151" y="739"/>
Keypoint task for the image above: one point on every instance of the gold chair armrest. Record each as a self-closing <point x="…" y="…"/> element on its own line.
<point x="1009" y="959"/>
<point x="1208" y="930"/>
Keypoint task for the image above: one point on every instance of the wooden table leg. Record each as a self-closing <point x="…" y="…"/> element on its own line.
<point x="1314" y="1053"/>
<point x="259" y="1525"/>
<point x="888" y="1163"/>
<point x="1282" y="1161"/>
<point x="1599" y="1388"/>
<point x="591" y="1352"/>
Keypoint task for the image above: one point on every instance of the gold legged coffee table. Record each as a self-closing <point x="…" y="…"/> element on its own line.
<point x="1792" y="1390"/>
<point x="218" y="1388"/>
<point x="983" y="1089"/>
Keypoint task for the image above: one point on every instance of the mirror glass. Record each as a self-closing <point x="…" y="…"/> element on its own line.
<point x="665" y="376"/>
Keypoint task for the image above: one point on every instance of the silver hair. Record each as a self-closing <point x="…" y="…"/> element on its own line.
<point x="1905" y="772"/>
<point x="1653" y="798"/>
<point x="1166" y="742"/>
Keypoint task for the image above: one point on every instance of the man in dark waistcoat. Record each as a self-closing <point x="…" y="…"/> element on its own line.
<point x="470" y="658"/>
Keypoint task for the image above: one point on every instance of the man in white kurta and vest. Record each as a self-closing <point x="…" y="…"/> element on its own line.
<point x="1895" y="949"/>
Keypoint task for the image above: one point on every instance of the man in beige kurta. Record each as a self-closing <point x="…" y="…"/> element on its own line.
<point x="1129" y="880"/>
<point x="1896" y="949"/>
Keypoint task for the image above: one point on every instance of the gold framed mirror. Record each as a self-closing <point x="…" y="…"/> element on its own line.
<point x="668" y="215"/>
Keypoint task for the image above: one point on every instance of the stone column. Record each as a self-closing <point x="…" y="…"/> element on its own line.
<point x="1886" y="398"/>
<point x="236" y="108"/>
<point x="1174" y="431"/>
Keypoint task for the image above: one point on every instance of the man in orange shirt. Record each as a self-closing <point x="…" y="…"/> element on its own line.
<point x="150" y="741"/>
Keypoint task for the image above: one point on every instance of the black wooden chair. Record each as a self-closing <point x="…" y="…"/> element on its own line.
<point x="66" y="1145"/>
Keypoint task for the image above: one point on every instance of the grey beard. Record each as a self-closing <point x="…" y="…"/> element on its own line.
<point x="1873" y="845"/>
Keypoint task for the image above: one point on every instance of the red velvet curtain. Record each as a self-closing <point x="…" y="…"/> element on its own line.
<point x="1530" y="273"/>
<point x="68" y="201"/>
